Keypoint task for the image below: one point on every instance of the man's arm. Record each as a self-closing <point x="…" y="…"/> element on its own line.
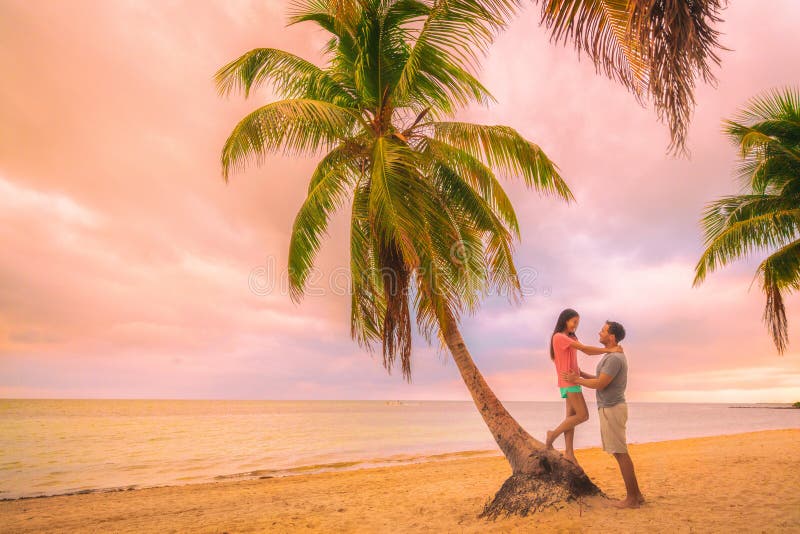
<point x="594" y="383"/>
<point x="587" y="375"/>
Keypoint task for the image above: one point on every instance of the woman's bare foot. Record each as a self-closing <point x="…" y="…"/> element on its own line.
<point x="628" y="502"/>
<point x="549" y="441"/>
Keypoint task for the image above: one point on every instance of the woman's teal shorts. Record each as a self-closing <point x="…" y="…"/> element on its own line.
<point x="571" y="389"/>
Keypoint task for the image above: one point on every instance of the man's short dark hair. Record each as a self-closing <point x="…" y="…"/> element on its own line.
<point x="616" y="330"/>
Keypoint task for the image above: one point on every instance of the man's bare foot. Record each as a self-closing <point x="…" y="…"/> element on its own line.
<point x="641" y="499"/>
<point x="549" y="441"/>
<point x="627" y="503"/>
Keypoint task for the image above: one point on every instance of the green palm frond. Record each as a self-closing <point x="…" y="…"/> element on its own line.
<point x="504" y="149"/>
<point x="726" y="212"/>
<point x="752" y="139"/>
<point x="446" y="47"/>
<point x="443" y="88"/>
<point x="774" y="105"/>
<point x="368" y="304"/>
<point x="292" y="76"/>
<point x="499" y="251"/>
<point x="767" y="170"/>
<point x="458" y="249"/>
<point x="767" y="133"/>
<point x="341" y="48"/>
<point x="436" y="294"/>
<point x="784" y="267"/>
<point x="335" y="16"/>
<point x="767" y="216"/>
<point x="779" y="272"/>
<point x="737" y="237"/>
<point x="295" y="126"/>
<point x="477" y="174"/>
<point x="328" y="190"/>
<point x="394" y="182"/>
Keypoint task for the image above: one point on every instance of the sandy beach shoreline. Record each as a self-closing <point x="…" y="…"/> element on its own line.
<point x="743" y="482"/>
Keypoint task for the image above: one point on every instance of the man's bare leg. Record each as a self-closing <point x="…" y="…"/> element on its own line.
<point x="634" y="497"/>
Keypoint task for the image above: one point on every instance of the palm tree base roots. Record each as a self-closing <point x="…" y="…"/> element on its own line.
<point x="525" y="493"/>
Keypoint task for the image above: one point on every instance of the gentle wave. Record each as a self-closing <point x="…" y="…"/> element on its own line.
<point x="57" y="447"/>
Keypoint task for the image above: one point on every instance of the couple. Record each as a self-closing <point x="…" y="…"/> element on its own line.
<point x="610" y="382"/>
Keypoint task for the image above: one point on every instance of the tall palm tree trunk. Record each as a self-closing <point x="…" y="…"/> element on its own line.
<point x="540" y="477"/>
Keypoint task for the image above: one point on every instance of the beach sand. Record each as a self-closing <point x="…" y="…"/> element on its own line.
<point x="740" y="483"/>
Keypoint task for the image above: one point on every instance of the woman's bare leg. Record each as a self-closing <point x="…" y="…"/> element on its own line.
<point x="569" y="435"/>
<point x="551" y="435"/>
<point x="578" y="404"/>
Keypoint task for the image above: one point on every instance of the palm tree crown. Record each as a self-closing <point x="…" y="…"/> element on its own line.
<point x="430" y="227"/>
<point x="767" y="215"/>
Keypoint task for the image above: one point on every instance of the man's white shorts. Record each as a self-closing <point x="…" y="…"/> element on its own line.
<point x="612" y="427"/>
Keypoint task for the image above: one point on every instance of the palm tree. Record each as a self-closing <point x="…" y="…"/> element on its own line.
<point x="767" y="215"/>
<point x="431" y="228"/>
<point x="655" y="48"/>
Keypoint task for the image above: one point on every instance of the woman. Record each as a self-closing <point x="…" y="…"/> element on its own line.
<point x="564" y="345"/>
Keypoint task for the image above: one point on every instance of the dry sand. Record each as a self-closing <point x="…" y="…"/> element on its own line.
<point x="740" y="483"/>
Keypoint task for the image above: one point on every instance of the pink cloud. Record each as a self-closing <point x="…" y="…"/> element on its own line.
<point x="128" y="264"/>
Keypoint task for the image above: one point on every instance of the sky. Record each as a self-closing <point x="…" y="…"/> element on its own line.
<point x="129" y="269"/>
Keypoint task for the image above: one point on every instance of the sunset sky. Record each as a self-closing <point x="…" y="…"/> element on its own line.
<point x="131" y="270"/>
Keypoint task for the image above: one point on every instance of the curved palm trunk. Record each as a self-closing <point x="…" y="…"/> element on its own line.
<point x="515" y="442"/>
<point x="540" y="477"/>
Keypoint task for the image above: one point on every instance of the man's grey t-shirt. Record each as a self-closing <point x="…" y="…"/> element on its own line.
<point x="616" y="365"/>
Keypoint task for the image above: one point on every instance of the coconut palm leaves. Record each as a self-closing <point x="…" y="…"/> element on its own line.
<point x="297" y="126"/>
<point x="655" y="48"/>
<point x="431" y="228"/>
<point x="767" y="217"/>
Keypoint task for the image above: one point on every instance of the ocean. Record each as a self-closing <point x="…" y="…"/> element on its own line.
<point x="50" y="447"/>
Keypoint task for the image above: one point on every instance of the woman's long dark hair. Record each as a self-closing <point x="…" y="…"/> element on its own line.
<point x="561" y="325"/>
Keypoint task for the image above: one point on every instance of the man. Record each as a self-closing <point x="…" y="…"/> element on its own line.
<point x="610" y="383"/>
